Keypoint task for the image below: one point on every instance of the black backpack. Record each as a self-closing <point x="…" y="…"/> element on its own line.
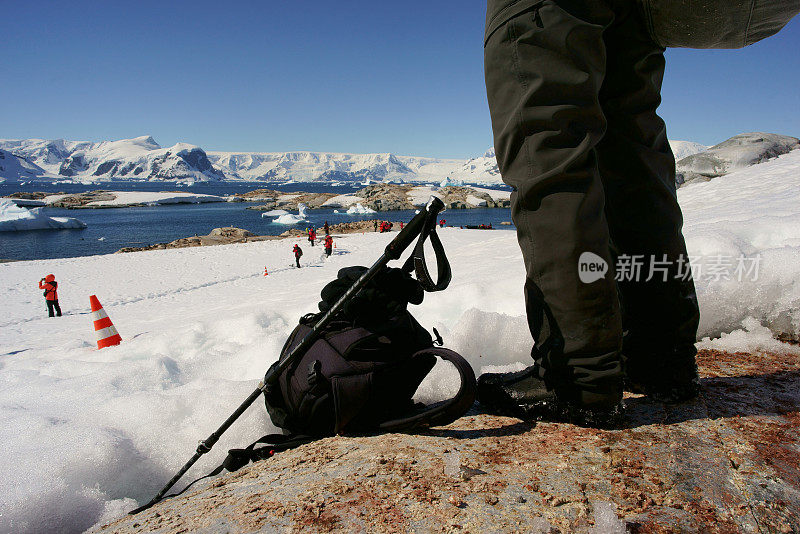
<point x="355" y="366"/>
<point x="362" y="373"/>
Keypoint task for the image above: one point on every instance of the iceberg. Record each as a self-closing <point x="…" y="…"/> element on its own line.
<point x="449" y="182"/>
<point x="274" y="213"/>
<point x="290" y="218"/>
<point x="15" y="218"/>
<point x="358" y="209"/>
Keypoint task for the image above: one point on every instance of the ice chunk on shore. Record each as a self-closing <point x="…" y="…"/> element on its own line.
<point x="358" y="209"/>
<point x="15" y="218"/>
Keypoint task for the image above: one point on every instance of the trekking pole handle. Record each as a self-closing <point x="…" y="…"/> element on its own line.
<point x="408" y="234"/>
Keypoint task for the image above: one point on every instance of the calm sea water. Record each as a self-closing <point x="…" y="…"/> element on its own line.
<point x="108" y="230"/>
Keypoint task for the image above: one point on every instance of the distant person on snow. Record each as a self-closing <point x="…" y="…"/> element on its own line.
<point x="49" y="284"/>
<point x="328" y="245"/>
<point x="327" y="228"/>
<point x="441" y="223"/>
<point x="573" y="87"/>
<point x="375" y="224"/>
<point x="312" y="235"/>
<point x="297" y="253"/>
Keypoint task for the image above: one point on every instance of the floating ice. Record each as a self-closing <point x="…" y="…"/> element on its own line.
<point x="16" y="218"/>
<point x="290" y="218"/>
<point x="450" y="182"/>
<point x="274" y="213"/>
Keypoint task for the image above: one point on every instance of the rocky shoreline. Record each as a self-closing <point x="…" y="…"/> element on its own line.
<point x="376" y="197"/>
<point x="230" y="235"/>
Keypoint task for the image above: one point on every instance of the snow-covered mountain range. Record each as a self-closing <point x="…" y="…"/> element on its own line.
<point x="17" y="168"/>
<point x="141" y="158"/>
<point x="683" y="149"/>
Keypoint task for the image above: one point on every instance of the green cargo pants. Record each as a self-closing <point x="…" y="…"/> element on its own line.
<point x="573" y="87"/>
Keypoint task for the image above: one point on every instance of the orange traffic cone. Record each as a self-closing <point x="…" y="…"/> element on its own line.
<point x="265" y="272"/>
<point x="104" y="329"/>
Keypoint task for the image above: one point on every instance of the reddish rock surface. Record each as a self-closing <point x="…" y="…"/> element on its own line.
<point x="727" y="462"/>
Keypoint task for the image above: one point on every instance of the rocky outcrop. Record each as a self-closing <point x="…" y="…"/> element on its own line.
<point x="386" y="197"/>
<point x="115" y="199"/>
<point x="378" y="197"/>
<point x="738" y="152"/>
<point x="32" y="195"/>
<point x="727" y="462"/>
<point x="286" y="201"/>
<point x="360" y="227"/>
<point x="81" y="200"/>
<point x="257" y="194"/>
<point x="460" y="197"/>
<point x="217" y="236"/>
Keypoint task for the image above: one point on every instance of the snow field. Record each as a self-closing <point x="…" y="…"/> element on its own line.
<point x="93" y="433"/>
<point x="749" y="213"/>
<point x="200" y="326"/>
<point x="147" y="197"/>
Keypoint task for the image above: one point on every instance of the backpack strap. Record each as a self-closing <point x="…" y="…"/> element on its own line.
<point x="445" y="412"/>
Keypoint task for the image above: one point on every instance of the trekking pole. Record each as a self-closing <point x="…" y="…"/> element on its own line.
<point x="393" y="251"/>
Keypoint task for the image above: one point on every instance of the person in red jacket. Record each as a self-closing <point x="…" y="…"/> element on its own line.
<point x="328" y="245"/>
<point x="297" y="253"/>
<point x="312" y="235"/>
<point x="49" y="284"/>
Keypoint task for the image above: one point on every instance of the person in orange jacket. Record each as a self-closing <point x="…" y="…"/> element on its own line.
<point x="49" y="284"/>
<point x="328" y="245"/>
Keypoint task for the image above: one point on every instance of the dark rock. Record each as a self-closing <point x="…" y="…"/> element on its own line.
<point x="72" y="166"/>
<point x="106" y="167"/>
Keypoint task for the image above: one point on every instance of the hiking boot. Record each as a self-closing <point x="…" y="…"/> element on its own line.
<point x="679" y="382"/>
<point x="666" y="393"/>
<point x="525" y="395"/>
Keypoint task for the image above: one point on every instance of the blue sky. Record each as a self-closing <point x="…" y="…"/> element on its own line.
<point x="341" y="76"/>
